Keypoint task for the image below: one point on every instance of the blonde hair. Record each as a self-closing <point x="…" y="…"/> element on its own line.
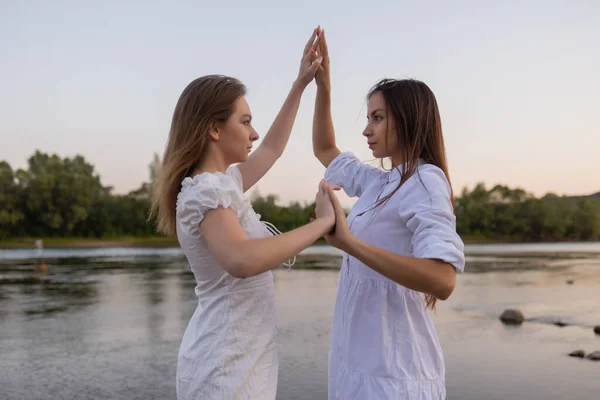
<point x="204" y="102"/>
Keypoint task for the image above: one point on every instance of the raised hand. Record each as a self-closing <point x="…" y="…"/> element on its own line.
<point x="322" y="77"/>
<point x="310" y="61"/>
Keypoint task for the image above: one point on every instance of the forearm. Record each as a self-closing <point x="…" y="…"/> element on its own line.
<point x="255" y="256"/>
<point x="278" y="135"/>
<point x="420" y="274"/>
<point x="323" y="135"/>
<point x="324" y="146"/>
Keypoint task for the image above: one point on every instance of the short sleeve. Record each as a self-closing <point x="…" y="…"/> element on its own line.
<point x="235" y="174"/>
<point x="428" y="213"/>
<point x="347" y="171"/>
<point x="206" y="192"/>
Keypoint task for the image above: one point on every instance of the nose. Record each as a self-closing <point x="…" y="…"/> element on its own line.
<point x="367" y="132"/>
<point x="254" y="136"/>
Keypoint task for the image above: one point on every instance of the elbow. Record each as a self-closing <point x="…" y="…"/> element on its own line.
<point x="237" y="267"/>
<point x="444" y="294"/>
<point x="238" y="272"/>
<point x="326" y="154"/>
<point x="445" y="288"/>
<point x="317" y="151"/>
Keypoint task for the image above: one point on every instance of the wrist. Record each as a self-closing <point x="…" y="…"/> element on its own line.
<point x="325" y="224"/>
<point x="350" y="244"/>
<point x="298" y="87"/>
<point x="323" y="87"/>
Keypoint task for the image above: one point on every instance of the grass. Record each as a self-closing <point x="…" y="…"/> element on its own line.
<point x="151" y="241"/>
<point x="124" y="241"/>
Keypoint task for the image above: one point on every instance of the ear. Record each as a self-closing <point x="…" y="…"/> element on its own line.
<point x="214" y="131"/>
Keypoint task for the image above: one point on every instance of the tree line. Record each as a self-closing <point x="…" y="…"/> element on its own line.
<point x="64" y="197"/>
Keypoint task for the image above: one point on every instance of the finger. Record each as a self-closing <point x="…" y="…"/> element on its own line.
<point x="308" y="58"/>
<point x="339" y="211"/>
<point x="320" y="191"/>
<point x="334" y="200"/>
<point x="310" y="41"/>
<point x="323" y="44"/>
<point x="340" y="214"/>
<point x="323" y="185"/>
<point x="315" y="47"/>
<point x="315" y="65"/>
<point x="336" y="187"/>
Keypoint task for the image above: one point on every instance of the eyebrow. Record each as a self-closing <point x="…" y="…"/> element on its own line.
<point x="247" y="115"/>
<point x="378" y="109"/>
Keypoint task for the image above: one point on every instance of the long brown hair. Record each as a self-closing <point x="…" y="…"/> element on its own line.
<point x="204" y="102"/>
<point x="419" y="128"/>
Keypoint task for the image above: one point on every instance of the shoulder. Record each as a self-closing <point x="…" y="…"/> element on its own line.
<point x="427" y="186"/>
<point x="346" y="168"/>
<point x="207" y="191"/>
<point x="433" y="178"/>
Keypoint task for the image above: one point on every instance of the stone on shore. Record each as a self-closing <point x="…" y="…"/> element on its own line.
<point x="512" y="317"/>
<point x="595" y="356"/>
<point x="577" y="353"/>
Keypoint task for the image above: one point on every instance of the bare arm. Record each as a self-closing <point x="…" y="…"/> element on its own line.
<point x="272" y="146"/>
<point x="430" y="276"/>
<point x="323" y="135"/>
<point x="243" y="257"/>
<point x="421" y="274"/>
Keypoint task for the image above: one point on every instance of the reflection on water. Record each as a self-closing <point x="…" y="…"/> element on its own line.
<point x="93" y="328"/>
<point x="107" y="323"/>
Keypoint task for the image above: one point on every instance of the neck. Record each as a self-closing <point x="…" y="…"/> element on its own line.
<point x="214" y="161"/>
<point x="397" y="160"/>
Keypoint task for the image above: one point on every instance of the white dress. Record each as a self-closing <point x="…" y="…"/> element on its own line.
<point x="383" y="340"/>
<point x="228" y="350"/>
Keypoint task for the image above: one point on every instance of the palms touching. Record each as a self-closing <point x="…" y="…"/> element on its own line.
<point x="310" y="62"/>
<point x="322" y="76"/>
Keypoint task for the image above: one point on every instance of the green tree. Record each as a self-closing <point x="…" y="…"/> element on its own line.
<point x="10" y="193"/>
<point x="58" y="194"/>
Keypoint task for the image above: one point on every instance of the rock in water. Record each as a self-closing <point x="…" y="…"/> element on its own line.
<point x="512" y="317"/>
<point x="578" y="353"/>
<point x="597" y="330"/>
<point x="595" y="356"/>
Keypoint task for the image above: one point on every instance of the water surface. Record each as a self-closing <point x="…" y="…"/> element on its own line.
<point x="107" y="323"/>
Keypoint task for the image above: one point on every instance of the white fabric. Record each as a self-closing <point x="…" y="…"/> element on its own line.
<point x="383" y="341"/>
<point x="228" y="350"/>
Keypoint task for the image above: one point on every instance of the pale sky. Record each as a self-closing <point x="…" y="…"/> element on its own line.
<point x="517" y="83"/>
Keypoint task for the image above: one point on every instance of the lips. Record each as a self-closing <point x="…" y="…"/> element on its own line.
<point x="371" y="144"/>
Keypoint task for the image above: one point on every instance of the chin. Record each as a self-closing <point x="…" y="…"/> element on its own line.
<point x="377" y="154"/>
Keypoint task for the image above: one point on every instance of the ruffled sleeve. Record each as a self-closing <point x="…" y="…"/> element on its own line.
<point x="347" y="171"/>
<point x="427" y="212"/>
<point x="206" y="192"/>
